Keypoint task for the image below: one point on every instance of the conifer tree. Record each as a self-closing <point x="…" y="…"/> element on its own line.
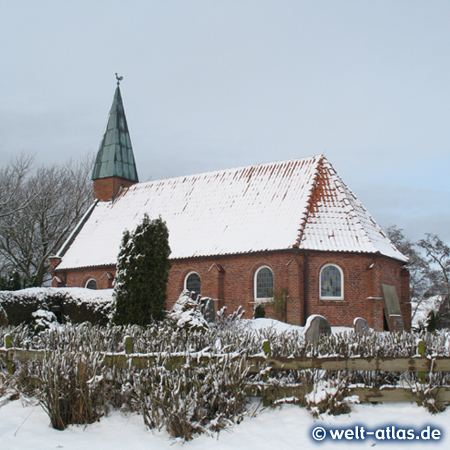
<point x="142" y="274"/>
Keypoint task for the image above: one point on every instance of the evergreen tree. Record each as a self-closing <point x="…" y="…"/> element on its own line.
<point x="142" y="274"/>
<point x="14" y="282"/>
<point x="433" y="321"/>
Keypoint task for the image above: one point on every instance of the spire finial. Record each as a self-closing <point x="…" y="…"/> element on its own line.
<point x="119" y="79"/>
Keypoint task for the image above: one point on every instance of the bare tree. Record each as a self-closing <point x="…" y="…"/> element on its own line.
<point x="420" y="286"/>
<point x="57" y="197"/>
<point x="12" y="180"/>
<point x="438" y="256"/>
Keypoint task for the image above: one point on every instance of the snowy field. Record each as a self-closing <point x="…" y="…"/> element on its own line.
<point x="26" y="426"/>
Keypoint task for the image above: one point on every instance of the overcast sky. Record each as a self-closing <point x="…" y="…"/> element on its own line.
<point x="215" y="84"/>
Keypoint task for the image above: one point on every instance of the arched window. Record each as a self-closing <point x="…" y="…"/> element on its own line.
<point x="192" y="283"/>
<point x="331" y="282"/>
<point x="263" y="284"/>
<point x="91" y="284"/>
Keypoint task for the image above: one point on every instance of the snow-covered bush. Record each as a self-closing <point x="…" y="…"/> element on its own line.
<point x="75" y="304"/>
<point x="427" y="392"/>
<point x="44" y="319"/>
<point x="187" y="313"/>
<point x="198" y="397"/>
<point x="163" y="337"/>
<point x="226" y="321"/>
<point x="329" y="397"/>
<point x="202" y="394"/>
<point x="73" y="387"/>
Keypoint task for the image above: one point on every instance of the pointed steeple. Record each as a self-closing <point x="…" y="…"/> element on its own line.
<point x="114" y="166"/>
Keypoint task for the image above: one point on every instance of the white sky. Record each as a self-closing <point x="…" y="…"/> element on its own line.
<point x="214" y="84"/>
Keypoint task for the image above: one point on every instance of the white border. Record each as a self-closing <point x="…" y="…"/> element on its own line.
<point x="87" y="282"/>
<point x="255" y="290"/>
<point x="187" y="276"/>
<point x="341" y="297"/>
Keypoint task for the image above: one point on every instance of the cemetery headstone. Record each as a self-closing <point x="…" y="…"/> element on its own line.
<point x="361" y="326"/>
<point x="316" y="327"/>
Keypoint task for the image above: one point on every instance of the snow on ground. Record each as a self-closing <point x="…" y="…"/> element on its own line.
<point x="280" y="327"/>
<point x="24" y="426"/>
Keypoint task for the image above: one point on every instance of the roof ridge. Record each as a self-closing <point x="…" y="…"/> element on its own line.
<point x="219" y="171"/>
<point x="315" y="180"/>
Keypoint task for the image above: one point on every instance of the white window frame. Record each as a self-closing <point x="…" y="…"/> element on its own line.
<point x="88" y="281"/>
<point x="188" y="275"/>
<point x="255" y="286"/>
<point x="340" y="297"/>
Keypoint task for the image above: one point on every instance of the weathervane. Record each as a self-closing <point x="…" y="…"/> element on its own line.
<point x="119" y="79"/>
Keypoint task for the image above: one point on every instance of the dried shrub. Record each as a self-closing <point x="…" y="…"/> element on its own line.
<point x="202" y="396"/>
<point x="329" y="397"/>
<point x="73" y="388"/>
<point x="232" y="321"/>
<point x="195" y="398"/>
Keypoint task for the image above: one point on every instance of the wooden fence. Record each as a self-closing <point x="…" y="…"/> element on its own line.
<point x="420" y="364"/>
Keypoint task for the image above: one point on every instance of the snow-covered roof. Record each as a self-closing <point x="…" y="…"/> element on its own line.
<point x="275" y="206"/>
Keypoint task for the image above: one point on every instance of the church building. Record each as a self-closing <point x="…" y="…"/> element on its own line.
<point x="289" y="236"/>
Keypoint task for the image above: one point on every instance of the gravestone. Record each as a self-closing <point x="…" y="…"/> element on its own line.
<point x="396" y="323"/>
<point x="361" y="326"/>
<point x="316" y="327"/>
<point x="208" y="309"/>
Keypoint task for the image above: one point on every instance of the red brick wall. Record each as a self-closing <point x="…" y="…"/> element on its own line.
<point x="106" y="188"/>
<point x="363" y="276"/>
<point x="104" y="276"/>
<point x="230" y="280"/>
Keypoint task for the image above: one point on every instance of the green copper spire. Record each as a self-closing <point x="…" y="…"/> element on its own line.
<point x="115" y="155"/>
